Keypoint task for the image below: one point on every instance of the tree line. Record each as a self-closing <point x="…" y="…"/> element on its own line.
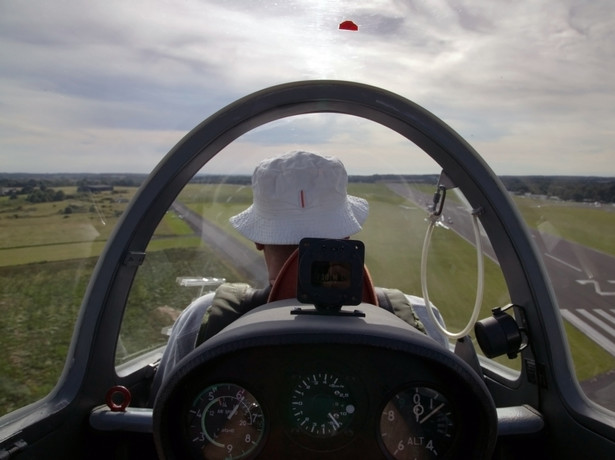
<point x="21" y="180"/>
<point x="567" y="188"/>
<point x="40" y="187"/>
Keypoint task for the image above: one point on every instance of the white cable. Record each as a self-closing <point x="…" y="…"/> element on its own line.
<point x="479" y="283"/>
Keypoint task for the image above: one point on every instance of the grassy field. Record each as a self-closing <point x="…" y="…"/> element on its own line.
<point x="47" y="255"/>
<point x="586" y="224"/>
<point x="74" y="228"/>
<point x="155" y="298"/>
<point x="39" y="303"/>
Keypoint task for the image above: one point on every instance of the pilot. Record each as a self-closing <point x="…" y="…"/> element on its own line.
<point x="295" y="195"/>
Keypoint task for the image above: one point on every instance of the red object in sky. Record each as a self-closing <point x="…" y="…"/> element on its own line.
<point x="348" y="25"/>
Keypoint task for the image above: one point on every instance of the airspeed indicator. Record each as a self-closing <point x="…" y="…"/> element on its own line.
<point x="225" y="421"/>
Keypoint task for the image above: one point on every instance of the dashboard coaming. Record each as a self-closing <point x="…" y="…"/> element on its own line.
<point x="324" y="387"/>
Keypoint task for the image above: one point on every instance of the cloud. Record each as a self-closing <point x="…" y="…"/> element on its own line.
<point x="85" y="82"/>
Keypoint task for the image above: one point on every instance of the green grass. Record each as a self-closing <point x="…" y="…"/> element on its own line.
<point x="173" y="225"/>
<point x="46" y="232"/>
<point x="46" y="258"/>
<point x="38" y="309"/>
<point x="156" y="299"/>
<point x="187" y="241"/>
<point x="589" y="359"/>
<point x="48" y="253"/>
<point x="582" y="223"/>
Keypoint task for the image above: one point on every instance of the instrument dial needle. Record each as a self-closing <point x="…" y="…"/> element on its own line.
<point x="334" y="422"/>
<point x="431" y="413"/>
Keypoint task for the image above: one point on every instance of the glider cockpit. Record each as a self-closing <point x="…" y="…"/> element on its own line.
<point x="281" y="384"/>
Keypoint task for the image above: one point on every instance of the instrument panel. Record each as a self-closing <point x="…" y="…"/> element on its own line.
<point x="326" y="401"/>
<point x="277" y="384"/>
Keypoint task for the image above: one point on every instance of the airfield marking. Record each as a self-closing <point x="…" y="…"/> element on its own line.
<point x="563" y="262"/>
<point x="597" y="288"/>
<point x="606" y="315"/>
<point x="589" y="331"/>
<point x="597" y="321"/>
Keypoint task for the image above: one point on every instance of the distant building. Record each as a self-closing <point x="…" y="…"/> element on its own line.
<point x="8" y="191"/>
<point x="96" y="188"/>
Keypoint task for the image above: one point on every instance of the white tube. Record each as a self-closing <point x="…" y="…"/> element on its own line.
<point x="479" y="283"/>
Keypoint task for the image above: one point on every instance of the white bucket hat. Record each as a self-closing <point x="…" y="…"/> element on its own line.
<point x="297" y="195"/>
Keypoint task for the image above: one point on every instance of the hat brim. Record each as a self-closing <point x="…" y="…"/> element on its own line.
<point x="313" y="223"/>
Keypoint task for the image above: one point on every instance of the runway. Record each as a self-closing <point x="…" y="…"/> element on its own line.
<point x="252" y="266"/>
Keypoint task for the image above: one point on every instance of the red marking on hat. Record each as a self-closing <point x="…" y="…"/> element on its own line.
<point x="302" y="200"/>
<point x="348" y="25"/>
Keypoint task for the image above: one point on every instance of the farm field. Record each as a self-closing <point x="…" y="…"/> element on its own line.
<point x="76" y="227"/>
<point x="48" y="253"/>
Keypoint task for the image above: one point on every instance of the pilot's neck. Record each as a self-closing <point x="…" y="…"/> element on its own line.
<point x="275" y="257"/>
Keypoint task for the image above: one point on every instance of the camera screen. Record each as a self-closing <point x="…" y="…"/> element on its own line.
<point x="331" y="274"/>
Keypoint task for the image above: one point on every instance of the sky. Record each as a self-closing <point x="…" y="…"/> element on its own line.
<point x="113" y="85"/>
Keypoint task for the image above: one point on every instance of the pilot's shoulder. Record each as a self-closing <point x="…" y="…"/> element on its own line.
<point x="413" y="310"/>
<point x="191" y="317"/>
